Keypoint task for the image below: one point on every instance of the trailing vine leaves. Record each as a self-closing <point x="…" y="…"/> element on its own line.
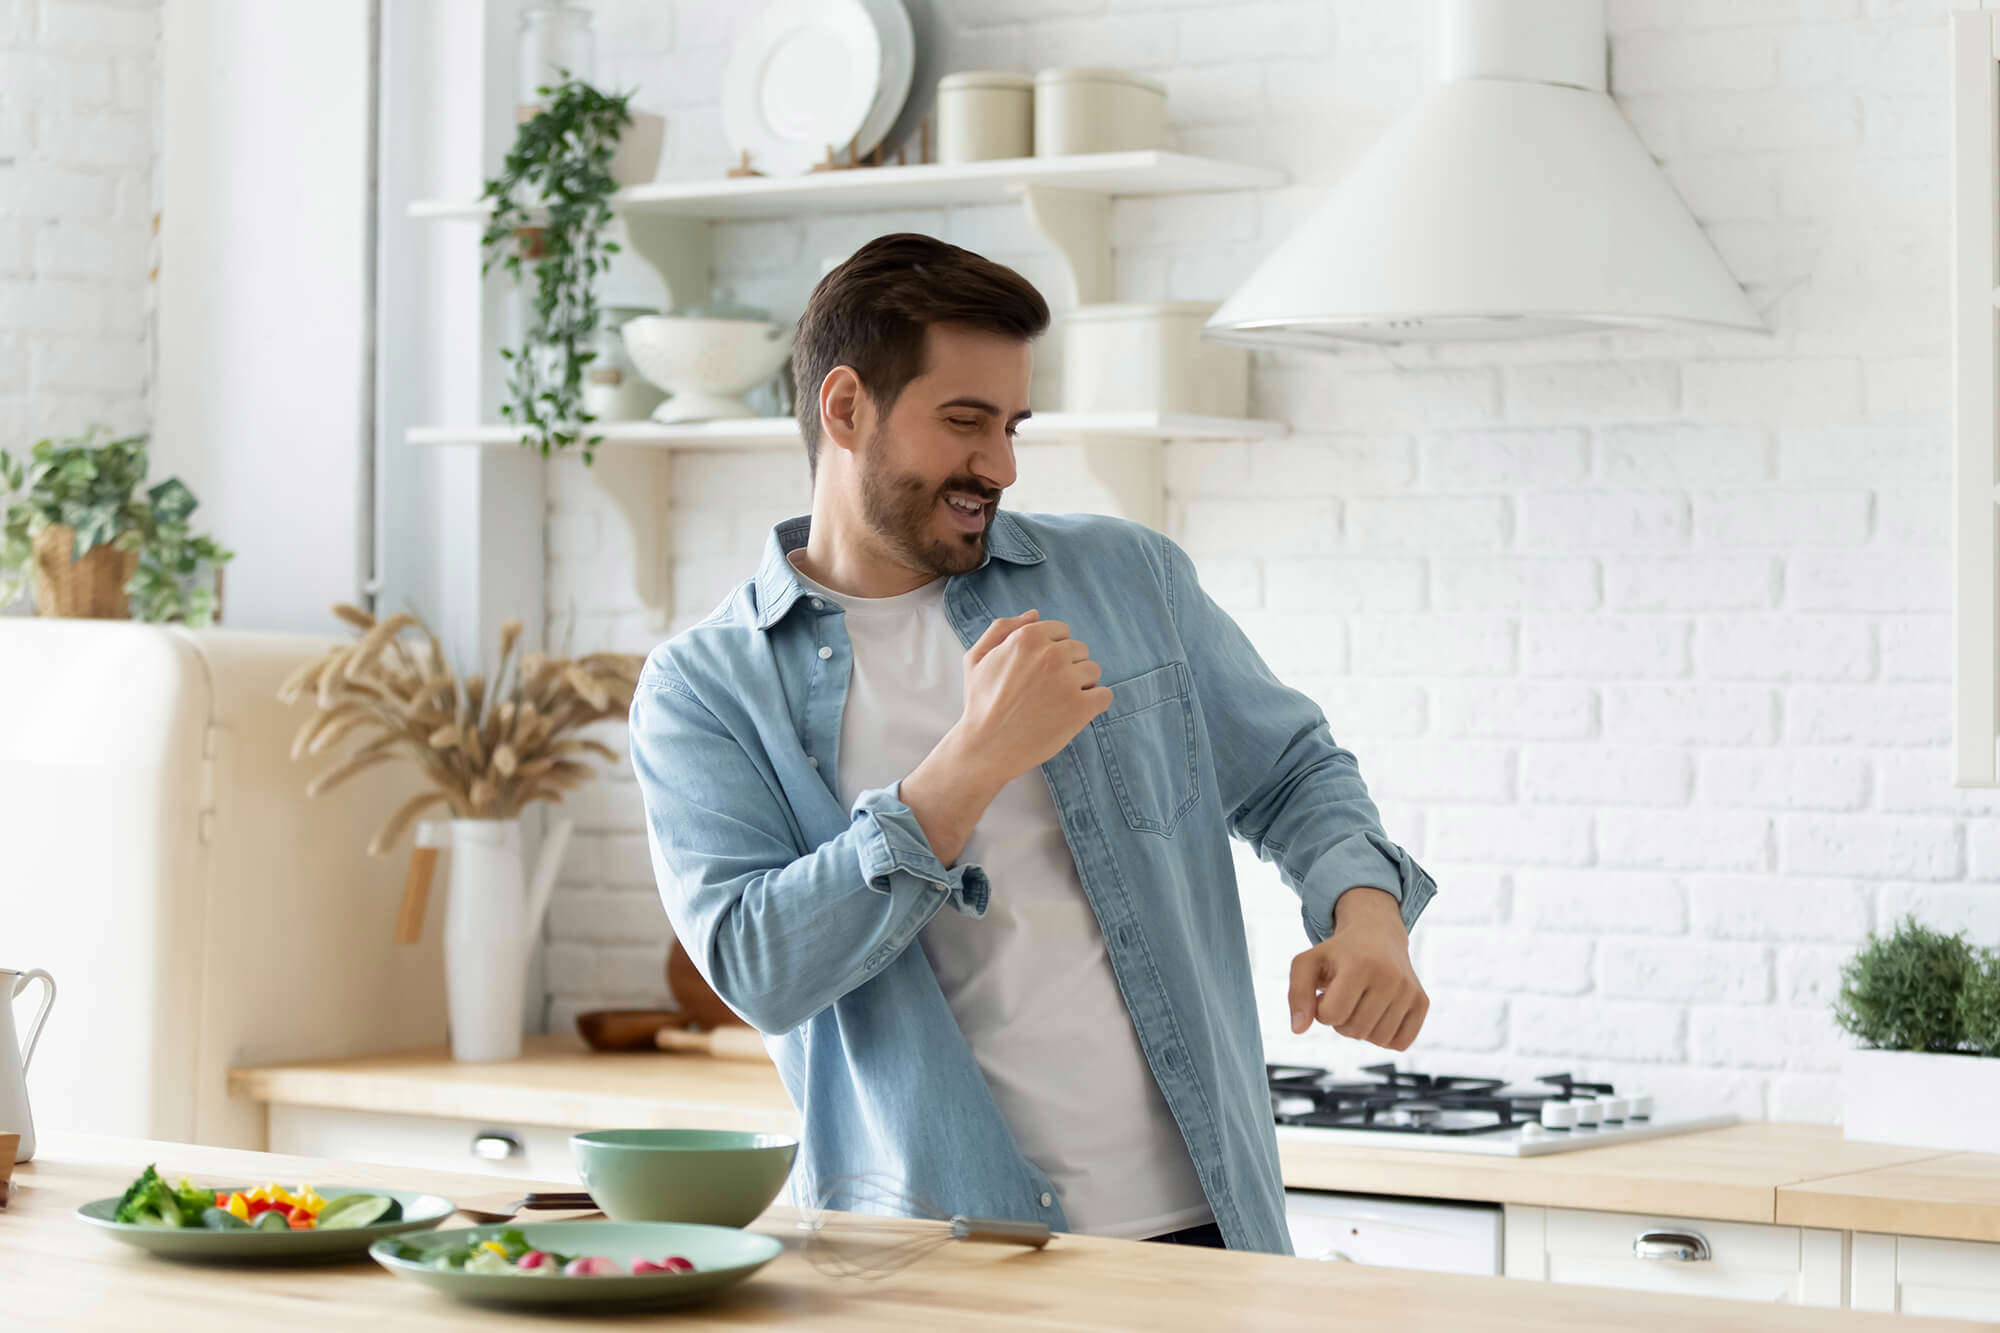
<point x="89" y="485"/>
<point x="556" y="178"/>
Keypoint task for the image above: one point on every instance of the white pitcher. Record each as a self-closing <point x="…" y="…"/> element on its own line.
<point x="14" y="1117"/>
<point x="490" y="925"/>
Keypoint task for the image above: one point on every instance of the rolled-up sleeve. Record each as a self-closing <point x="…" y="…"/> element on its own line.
<point x="780" y="932"/>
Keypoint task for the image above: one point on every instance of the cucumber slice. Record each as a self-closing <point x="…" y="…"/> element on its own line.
<point x="220" y="1219"/>
<point x="272" y="1220"/>
<point x="358" y="1210"/>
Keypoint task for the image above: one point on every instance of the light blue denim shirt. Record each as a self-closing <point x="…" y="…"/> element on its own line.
<point x="801" y="911"/>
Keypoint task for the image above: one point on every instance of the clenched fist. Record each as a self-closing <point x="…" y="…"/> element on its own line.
<point x="1358" y="981"/>
<point x="1029" y="689"/>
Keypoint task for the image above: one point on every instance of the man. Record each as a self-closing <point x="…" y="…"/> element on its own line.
<point x="940" y="801"/>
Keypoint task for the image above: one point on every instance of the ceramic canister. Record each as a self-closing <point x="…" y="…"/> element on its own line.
<point x="1079" y="110"/>
<point x="984" y="114"/>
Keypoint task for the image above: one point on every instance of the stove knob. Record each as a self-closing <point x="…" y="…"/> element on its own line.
<point x="1559" y="1115"/>
<point x="1586" y="1112"/>
<point x="1641" y="1106"/>
<point x="1533" y="1132"/>
<point x="1613" y="1109"/>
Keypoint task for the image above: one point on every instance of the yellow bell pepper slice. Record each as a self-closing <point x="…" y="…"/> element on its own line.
<point x="496" y="1247"/>
<point x="239" y="1207"/>
<point x="310" y="1201"/>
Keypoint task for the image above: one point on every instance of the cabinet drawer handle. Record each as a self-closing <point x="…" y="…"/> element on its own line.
<point x="1683" y="1247"/>
<point x="495" y="1146"/>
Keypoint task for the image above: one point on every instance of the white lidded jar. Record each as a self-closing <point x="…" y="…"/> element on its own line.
<point x="1149" y="356"/>
<point x="1091" y="110"/>
<point x="983" y="114"/>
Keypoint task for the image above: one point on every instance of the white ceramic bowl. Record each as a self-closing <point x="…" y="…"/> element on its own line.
<point x="705" y="365"/>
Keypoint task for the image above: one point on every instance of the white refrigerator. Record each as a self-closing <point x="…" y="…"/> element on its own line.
<point x="159" y="856"/>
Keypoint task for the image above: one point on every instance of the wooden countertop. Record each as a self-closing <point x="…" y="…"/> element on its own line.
<point x="1955" y="1196"/>
<point x="557" y="1081"/>
<point x="73" y="1276"/>
<point x="1805" y="1175"/>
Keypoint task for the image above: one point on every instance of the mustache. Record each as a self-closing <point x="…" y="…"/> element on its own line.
<point x="966" y="485"/>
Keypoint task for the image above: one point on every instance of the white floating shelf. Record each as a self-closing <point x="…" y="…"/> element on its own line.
<point x="783" y="432"/>
<point x="930" y="185"/>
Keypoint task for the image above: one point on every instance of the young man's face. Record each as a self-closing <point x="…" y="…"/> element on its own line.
<point x="950" y="437"/>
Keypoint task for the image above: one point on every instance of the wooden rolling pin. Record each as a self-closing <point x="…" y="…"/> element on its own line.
<point x="734" y="1042"/>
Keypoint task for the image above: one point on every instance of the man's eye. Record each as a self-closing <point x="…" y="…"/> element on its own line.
<point x="962" y="421"/>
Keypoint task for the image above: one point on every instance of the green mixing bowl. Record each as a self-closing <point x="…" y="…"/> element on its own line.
<point x="720" y="1177"/>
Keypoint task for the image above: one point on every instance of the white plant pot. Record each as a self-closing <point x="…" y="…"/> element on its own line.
<point x="1920" y="1100"/>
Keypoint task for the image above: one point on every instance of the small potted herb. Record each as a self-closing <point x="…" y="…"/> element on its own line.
<point x="97" y="548"/>
<point x="1926" y="1007"/>
<point x="551" y="207"/>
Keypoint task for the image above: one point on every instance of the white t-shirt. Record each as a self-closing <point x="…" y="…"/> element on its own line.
<point x="1029" y="982"/>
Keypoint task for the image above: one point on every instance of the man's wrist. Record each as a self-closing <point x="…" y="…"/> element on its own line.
<point x="969" y="771"/>
<point x="1365" y="904"/>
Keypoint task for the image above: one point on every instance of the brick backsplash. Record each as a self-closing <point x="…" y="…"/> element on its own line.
<point x="1643" y="641"/>
<point x="79" y="106"/>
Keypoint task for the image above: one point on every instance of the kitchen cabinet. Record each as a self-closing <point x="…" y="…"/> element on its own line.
<point x="1924" y="1275"/>
<point x="430" y="1143"/>
<point x="1687" y="1255"/>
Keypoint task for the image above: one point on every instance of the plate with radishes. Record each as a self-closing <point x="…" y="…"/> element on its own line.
<point x="581" y="1263"/>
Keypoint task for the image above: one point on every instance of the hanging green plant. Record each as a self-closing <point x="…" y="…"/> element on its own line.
<point x="550" y="206"/>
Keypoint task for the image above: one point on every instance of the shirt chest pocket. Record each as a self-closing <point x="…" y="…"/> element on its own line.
<point x="1147" y="740"/>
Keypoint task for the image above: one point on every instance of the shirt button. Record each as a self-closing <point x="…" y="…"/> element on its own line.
<point x="818" y="605"/>
<point x="1047" y="1199"/>
<point x="813" y="759"/>
<point x="825" y="652"/>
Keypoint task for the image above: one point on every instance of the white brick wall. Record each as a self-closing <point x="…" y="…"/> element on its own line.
<point x="79" y="104"/>
<point x="1642" y="640"/>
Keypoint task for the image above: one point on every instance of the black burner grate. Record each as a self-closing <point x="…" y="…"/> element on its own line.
<point x="1401" y="1102"/>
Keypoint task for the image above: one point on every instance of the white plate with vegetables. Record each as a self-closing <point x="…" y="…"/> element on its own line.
<point x="266" y="1222"/>
<point x="619" y="1264"/>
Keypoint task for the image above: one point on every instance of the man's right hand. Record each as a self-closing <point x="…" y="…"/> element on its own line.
<point x="1029" y="689"/>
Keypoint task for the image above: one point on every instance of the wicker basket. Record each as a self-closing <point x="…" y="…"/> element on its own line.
<point x="92" y="588"/>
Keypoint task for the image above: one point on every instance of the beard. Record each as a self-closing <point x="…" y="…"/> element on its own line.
<point x="902" y="509"/>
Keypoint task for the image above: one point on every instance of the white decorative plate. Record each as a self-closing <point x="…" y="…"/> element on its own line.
<point x="804" y="76"/>
<point x="899" y="64"/>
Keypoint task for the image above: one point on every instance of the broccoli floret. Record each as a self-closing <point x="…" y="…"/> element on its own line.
<point x="149" y="1202"/>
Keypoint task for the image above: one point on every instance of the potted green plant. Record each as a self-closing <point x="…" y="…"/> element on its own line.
<point x="551" y="206"/>
<point x="95" y="546"/>
<point x="1926" y="1006"/>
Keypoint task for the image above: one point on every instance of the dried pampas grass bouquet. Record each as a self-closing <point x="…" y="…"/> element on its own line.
<point x="487" y="751"/>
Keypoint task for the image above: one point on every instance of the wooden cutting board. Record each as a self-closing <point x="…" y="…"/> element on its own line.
<point x="9" y="1144"/>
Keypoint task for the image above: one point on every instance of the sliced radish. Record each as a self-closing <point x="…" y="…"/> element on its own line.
<point x="591" y="1266"/>
<point x="677" y="1264"/>
<point x="648" y="1266"/>
<point x="534" y="1259"/>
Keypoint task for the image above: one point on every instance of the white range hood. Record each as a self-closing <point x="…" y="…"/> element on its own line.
<point x="1514" y="201"/>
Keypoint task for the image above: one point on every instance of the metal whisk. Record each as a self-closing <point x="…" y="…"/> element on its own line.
<point x="852" y="1253"/>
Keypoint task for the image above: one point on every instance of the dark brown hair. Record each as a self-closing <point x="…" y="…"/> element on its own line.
<point x="870" y="313"/>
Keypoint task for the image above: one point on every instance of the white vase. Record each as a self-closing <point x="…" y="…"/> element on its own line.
<point x="1920" y="1100"/>
<point x="491" y="918"/>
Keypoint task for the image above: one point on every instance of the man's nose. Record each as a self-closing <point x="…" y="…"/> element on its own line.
<point x="993" y="462"/>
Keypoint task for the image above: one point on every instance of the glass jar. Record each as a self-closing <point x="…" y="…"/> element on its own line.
<point x="555" y="39"/>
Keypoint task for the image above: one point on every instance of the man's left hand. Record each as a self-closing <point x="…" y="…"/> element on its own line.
<point x="1359" y="981"/>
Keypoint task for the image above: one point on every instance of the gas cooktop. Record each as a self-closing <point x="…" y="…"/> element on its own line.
<point x="1454" y="1113"/>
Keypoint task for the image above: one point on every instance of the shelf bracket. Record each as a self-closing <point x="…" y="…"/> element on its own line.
<point x="1131" y="469"/>
<point x="638" y="484"/>
<point x="1078" y="224"/>
<point x="676" y="247"/>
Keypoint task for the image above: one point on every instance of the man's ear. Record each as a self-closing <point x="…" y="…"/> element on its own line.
<point x="844" y="409"/>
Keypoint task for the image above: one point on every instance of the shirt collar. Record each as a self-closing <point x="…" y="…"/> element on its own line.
<point x="778" y="585"/>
